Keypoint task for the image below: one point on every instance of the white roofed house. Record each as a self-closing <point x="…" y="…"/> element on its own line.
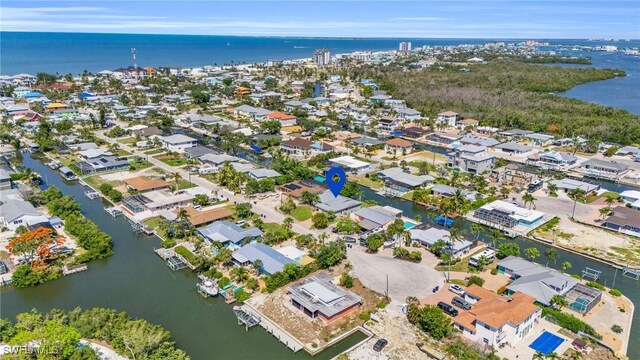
<point x="15" y="213"/>
<point x="513" y="147"/>
<point x="470" y="158"/>
<point x="552" y="159"/>
<point x="388" y="124"/>
<point x="447" y="118"/>
<point x="318" y="298"/>
<point x="376" y="217"/>
<point x="603" y="167"/>
<point x="568" y="185"/>
<point x="178" y="142"/>
<point x="400" y="180"/>
<point x="338" y="205"/>
<point x="408" y="114"/>
<point x="261" y="174"/>
<point x="427" y="236"/>
<point x="350" y="164"/>
<point x="632" y="197"/>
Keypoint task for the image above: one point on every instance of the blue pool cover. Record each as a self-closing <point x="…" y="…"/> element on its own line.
<point x="546" y="343"/>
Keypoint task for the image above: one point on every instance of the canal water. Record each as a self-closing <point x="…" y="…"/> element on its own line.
<point x="629" y="287"/>
<point x="137" y="281"/>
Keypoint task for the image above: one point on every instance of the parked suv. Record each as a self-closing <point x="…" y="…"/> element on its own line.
<point x="380" y="344"/>
<point x="447" y="308"/>
<point x="461" y="303"/>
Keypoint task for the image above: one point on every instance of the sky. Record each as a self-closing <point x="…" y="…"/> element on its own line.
<point x="319" y="18"/>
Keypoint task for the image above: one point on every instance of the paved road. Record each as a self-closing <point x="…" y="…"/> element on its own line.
<point x="405" y="278"/>
<point x="269" y="214"/>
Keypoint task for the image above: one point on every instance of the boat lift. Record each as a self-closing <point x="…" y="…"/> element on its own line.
<point x="590" y="273"/>
<point x="631" y="273"/>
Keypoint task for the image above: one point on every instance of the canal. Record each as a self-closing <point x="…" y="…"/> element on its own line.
<point x="629" y="287"/>
<point x="137" y="281"/>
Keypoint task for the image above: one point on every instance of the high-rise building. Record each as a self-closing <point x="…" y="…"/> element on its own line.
<point x="405" y="46"/>
<point x="322" y="57"/>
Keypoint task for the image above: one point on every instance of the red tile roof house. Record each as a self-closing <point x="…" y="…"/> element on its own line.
<point x="400" y="146"/>
<point x="285" y="119"/>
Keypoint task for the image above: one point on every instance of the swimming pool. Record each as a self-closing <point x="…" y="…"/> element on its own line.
<point x="408" y="225"/>
<point x="546" y="343"/>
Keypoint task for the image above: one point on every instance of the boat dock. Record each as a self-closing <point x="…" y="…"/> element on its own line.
<point x="72" y="269"/>
<point x="247" y="312"/>
<point x="113" y="211"/>
<point x="174" y="261"/>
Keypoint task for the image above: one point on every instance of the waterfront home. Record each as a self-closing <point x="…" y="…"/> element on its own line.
<point x="367" y="142"/>
<point x="430" y="235"/>
<point x="408" y="114"/>
<point x="603" y="167"/>
<point x="284" y="119"/>
<point x="515" y="134"/>
<point x="144" y="184"/>
<point x="543" y="283"/>
<point x="470" y="158"/>
<point x="296" y="147"/>
<point x="319" y="298"/>
<point x="83" y="146"/>
<point x="552" y="159"/>
<point x="628" y="150"/>
<point x="261" y="174"/>
<point x="272" y="260"/>
<point x="376" y="217"/>
<point x="448" y="118"/>
<point x="5" y="180"/>
<point x="513" y="174"/>
<point x="300" y="257"/>
<point x="338" y="205"/>
<point x="568" y="185"/>
<point x="229" y="234"/>
<point x="443" y="138"/>
<point x="177" y="142"/>
<point x="93" y="153"/>
<point x="217" y="160"/>
<point x="496" y="320"/>
<point x="398" y="179"/>
<point x="415" y="132"/>
<point x="539" y="139"/>
<point x="388" y="124"/>
<point x="504" y="214"/>
<point x="625" y="220"/>
<point x="398" y="145"/>
<point x="512" y="147"/>
<point x="472" y="140"/>
<point x="102" y="164"/>
<point x="297" y="188"/>
<point x="198" y="151"/>
<point x="449" y="191"/>
<point x="17" y="212"/>
<point x="350" y="164"/>
<point x="631" y="197"/>
<point x="204" y="217"/>
<point x="156" y="200"/>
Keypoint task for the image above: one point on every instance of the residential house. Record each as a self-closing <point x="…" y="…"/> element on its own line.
<point x="178" y="142"/>
<point x="513" y="174"/>
<point x="318" y="298"/>
<point x="496" y="320"/>
<point x="16" y="110"/>
<point x="398" y="145"/>
<point x="337" y="204"/>
<point x="284" y="119"/>
<point x="148" y="132"/>
<point x="388" y="124"/>
<point x="631" y="197"/>
<point x="512" y="147"/>
<point x="568" y="185"/>
<point x="398" y="179"/>
<point x="296" y="147"/>
<point x="553" y="160"/>
<point x="229" y="234"/>
<point x="5" y="180"/>
<point x="17" y="212"/>
<point x="102" y="164"/>
<point x="443" y="138"/>
<point x="427" y="236"/>
<point x="479" y="141"/>
<point x="93" y="153"/>
<point x="415" y="132"/>
<point x="603" y="167"/>
<point x="625" y="220"/>
<point x="515" y="134"/>
<point x="539" y="139"/>
<point x="449" y="191"/>
<point x="272" y="260"/>
<point x="350" y="164"/>
<point x="251" y="113"/>
<point x="261" y="174"/>
<point x="505" y="214"/>
<point x="203" y="217"/>
<point x="408" y="114"/>
<point x="470" y="158"/>
<point x="196" y="152"/>
<point x="467" y="124"/>
<point x="447" y="118"/>
<point x="156" y="200"/>
<point x="367" y="142"/>
<point x="376" y="217"/>
<point x="144" y="184"/>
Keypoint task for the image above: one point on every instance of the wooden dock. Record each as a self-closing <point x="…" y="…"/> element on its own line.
<point x="72" y="269"/>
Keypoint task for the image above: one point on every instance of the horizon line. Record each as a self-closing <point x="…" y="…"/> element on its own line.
<point x="320" y="36"/>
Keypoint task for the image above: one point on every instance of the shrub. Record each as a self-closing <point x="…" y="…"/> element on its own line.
<point x="25" y="276"/>
<point x="187" y="255"/>
<point x="346" y="280"/>
<point x="616" y="329"/>
<point x="570" y="322"/>
<point x="241" y="296"/>
<point x="475" y="279"/>
<point x="615" y="292"/>
<point x="365" y="316"/>
<point x="415" y="256"/>
<point x="224" y="281"/>
<point x="217" y="275"/>
<point x="169" y="243"/>
<point x="494" y="271"/>
<point x="595" y="285"/>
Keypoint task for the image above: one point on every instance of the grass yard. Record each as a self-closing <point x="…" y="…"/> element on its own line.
<point x="408" y="195"/>
<point x="270" y="227"/>
<point x="301" y="213"/>
<point x="172" y="160"/>
<point x="121" y="152"/>
<point x="154" y="224"/>
<point x="364" y="181"/>
<point x="68" y="160"/>
<point x="139" y="163"/>
<point x="95" y="181"/>
<point x="154" y="151"/>
<point x="127" y="141"/>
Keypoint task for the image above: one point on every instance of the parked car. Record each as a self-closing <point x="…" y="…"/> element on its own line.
<point x="240" y="223"/>
<point x="380" y="344"/>
<point x="448" y="309"/>
<point x="461" y="303"/>
<point x="350" y="239"/>
<point x="456" y="289"/>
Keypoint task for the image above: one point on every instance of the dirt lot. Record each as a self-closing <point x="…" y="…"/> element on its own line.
<point x="279" y="309"/>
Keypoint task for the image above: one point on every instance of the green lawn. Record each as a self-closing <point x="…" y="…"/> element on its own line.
<point x="127" y="141"/>
<point x="121" y="152"/>
<point x="154" y="151"/>
<point x="154" y="224"/>
<point x="370" y="183"/>
<point x="408" y="195"/>
<point x="139" y="164"/>
<point x="95" y="181"/>
<point x="301" y="213"/>
<point x="270" y="226"/>
<point x="173" y="161"/>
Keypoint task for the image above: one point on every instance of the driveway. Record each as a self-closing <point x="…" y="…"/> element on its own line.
<point x="405" y="278"/>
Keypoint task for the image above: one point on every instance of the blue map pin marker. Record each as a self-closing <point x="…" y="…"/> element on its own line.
<point x="336" y="186"/>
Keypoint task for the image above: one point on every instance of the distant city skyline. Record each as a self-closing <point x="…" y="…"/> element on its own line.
<point x="413" y="19"/>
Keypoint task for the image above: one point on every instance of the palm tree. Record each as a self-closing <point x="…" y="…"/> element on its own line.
<point x="495" y="236"/>
<point x="551" y="255"/>
<point x="604" y="211"/>
<point x="566" y="266"/>
<point x="183" y="215"/>
<point x="176" y="178"/>
<point x="239" y="274"/>
<point x="610" y="199"/>
<point x="455" y="235"/>
<point x="224" y="255"/>
<point x="558" y="301"/>
<point x="531" y="253"/>
<point x="538" y="356"/>
<point x="528" y="199"/>
<point x="476" y="230"/>
<point x="553" y="188"/>
<point x="578" y="194"/>
<point x="504" y="191"/>
<point x="288" y="222"/>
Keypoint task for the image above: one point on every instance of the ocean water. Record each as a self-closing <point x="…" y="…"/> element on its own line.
<point x="64" y="53"/>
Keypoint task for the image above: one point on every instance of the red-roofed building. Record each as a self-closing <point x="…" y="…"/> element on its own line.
<point x="285" y="119"/>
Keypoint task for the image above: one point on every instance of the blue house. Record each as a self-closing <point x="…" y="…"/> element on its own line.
<point x="229" y="234"/>
<point x="272" y="261"/>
